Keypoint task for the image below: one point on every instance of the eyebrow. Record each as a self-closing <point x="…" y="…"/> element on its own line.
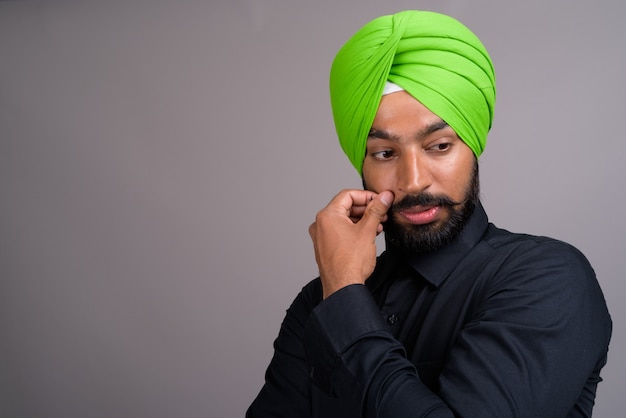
<point x="429" y="129"/>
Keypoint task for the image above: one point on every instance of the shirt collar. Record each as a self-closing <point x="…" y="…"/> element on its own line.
<point x="435" y="266"/>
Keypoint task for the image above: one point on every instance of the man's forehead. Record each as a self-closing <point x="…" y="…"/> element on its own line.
<point x="424" y="130"/>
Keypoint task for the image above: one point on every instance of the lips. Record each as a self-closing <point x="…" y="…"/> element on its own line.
<point x="420" y="215"/>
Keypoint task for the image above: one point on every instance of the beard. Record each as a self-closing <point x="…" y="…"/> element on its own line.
<point x="433" y="236"/>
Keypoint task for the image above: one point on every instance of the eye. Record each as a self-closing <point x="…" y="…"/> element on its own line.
<point x="440" y="147"/>
<point x="383" y="155"/>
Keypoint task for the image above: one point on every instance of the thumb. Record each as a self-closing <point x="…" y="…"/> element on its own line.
<point x="377" y="209"/>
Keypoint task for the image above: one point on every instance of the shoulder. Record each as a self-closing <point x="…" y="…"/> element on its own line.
<point x="547" y="280"/>
<point x="518" y="248"/>
<point x="541" y="265"/>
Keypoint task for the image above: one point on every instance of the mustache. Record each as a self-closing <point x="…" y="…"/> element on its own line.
<point x="423" y="199"/>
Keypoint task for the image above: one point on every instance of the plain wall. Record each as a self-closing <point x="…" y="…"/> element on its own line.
<point x="160" y="162"/>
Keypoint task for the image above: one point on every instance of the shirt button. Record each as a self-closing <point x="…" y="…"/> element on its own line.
<point x="392" y="319"/>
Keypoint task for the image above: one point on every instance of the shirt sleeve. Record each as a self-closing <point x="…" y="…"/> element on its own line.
<point x="535" y="343"/>
<point x="354" y="357"/>
<point x="286" y="392"/>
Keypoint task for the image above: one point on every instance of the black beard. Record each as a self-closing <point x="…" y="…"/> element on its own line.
<point x="433" y="236"/>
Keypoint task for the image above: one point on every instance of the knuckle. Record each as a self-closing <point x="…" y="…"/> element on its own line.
<point x="322" y="216"/>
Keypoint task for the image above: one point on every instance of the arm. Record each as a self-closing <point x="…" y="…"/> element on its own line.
<point x="355" y="358"/>
<point x="352" y="355"/>
<point x="286" y="392"/>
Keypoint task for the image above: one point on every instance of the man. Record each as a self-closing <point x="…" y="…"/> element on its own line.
<point x="456" y="317"/>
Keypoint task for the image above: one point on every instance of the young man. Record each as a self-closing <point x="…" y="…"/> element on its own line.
<point x="456" y="317"/>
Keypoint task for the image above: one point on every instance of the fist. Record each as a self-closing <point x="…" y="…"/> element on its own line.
<point x="344" y="237"/>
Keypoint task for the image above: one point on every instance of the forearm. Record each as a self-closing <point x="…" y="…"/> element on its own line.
<point x="354" y="357"/>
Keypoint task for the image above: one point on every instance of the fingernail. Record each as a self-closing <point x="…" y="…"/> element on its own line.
<point x="386" y="198"/>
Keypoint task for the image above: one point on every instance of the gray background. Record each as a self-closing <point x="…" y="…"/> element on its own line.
<point x="160" y="163"/>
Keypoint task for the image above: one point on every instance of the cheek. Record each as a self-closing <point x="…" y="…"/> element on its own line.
<point x="376" y="179"/>
<point x="457" y="177"/>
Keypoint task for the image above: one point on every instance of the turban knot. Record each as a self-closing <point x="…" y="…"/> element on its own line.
<point x="434" y="57"/>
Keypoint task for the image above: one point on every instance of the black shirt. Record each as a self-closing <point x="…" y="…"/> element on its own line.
<point x="495" y="324"/>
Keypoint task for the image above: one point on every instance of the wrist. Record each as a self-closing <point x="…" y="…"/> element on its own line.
<point x="330" y="286"/>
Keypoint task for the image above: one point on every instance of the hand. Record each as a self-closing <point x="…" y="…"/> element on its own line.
<point x="344" y="237"/>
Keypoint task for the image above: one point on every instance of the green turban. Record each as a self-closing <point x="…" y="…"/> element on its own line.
<point x="436" y="59"/>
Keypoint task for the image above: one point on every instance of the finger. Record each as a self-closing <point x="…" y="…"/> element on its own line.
<point x="377" y="210"/>
<point x="356" y="220"/>
<point x="357" y="211"/>
<point x="357" y="217"/>
<point x="348" y="199"/>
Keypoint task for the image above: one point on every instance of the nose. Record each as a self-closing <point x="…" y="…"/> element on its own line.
<point x="414" y="174"/>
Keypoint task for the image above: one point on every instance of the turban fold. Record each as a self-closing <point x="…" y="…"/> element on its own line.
<point x="434" y="57"/>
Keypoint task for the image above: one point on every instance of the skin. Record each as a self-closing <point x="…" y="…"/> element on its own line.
<point x="410" y="150"/>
